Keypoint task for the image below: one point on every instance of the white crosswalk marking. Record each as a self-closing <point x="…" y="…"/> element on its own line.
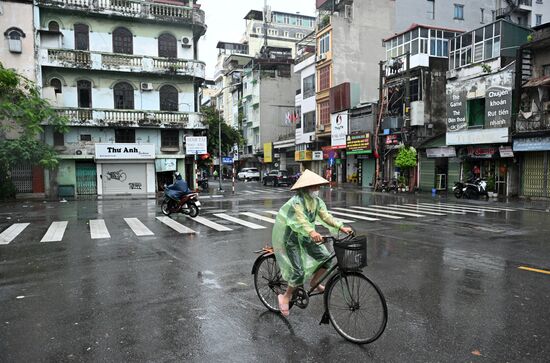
<point x="482" y="206"/>
<point x="11" y="232"/>
<point x="211" y="224"/>
<point x="375" y="209"/>
<point x="466" y="209"/>
<point x="217" y="196"/>
<point x="409" y="209"/>
<point x="367" y="213"/>
<point x="356" y="217"/>
<point x="139" y="228"/>
<point x="437" y="209"/>
<point x="98" y="229"/>
<point x="239" y="221"/>
<point x="55" y="232"/>
<point x="274" y="212"/>
<point x="340" y="219"/>
<point x="257" y="216"/>
<point x="249" y="192"/>
<point x="178" y="227"/>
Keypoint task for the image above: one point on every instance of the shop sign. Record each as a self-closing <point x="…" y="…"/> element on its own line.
<point x="330" y="152"/>
<point x="532" y="144"/>
<point x="480" y="136"/>
<point x="124" y="151"/>
<point x="393" y="139"/>
<point x="304" y="155"/>
<point x="195" y="145"/>
<point x="317" y="155"/>
<point x="456" y="111"/>
<point x="481" y="152"/>
<point x="358" y="144"/>
<point x="165" y="165"/>
<point x="506" y="152"/>
<point x="268" y="152"/>
<point x="498" y="107"/>
<point x="339" y="128"/>
<point x="441" y="152"/>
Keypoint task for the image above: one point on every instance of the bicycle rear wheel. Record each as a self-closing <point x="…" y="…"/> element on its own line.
<point x="356" y="307"/>
<point x="269" y="282"/>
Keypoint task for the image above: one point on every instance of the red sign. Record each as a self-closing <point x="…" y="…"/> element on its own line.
<point x="482" y="152"/>
<point x="331" y="152"/>
<point x="392" y="139"/>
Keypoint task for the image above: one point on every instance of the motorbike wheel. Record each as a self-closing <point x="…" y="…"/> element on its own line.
<point x="193" y="210"/>
<point x="122" y="177"/>
<point x="469" y="194"/>
<point x="165" y="207"/>
<point x="458" y="194"/>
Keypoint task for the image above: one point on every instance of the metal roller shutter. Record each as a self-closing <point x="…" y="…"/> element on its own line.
<point x="124" y="178"/>
<point x="427" y="173"/>
<point x="533" y="180"/>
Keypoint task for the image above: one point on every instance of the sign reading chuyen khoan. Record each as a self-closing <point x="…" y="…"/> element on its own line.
<point x="498" y="107"/>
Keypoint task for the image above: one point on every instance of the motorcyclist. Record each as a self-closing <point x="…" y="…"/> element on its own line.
<point x="178" y="189"/>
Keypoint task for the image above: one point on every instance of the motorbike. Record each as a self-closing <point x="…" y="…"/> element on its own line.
<point x="475" y="189"/>
<point x="188" y="204"/>
<point x="458" y="189"/>
<point x="203" y="184"/>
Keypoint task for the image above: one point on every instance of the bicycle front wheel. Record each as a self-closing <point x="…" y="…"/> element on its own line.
<point x="356" y="307"/>
<point x="269" y="282"/>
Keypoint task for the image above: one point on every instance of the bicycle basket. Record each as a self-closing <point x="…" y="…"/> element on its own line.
<point x="351" y="254"/>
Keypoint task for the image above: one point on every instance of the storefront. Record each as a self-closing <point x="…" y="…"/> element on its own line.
<point x="165" y="169"/>
<point x="360" y="162"/>
<point x="438" y="166"/>
<point x="534" y="156"/>
<point x="125" y="169"/>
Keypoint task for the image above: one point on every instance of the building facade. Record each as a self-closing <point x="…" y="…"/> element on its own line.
<point x="127" y="77"/>
<point x="528" y="13"/>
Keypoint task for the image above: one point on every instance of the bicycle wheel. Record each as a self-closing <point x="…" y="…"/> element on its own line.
<point x="356" y="307"/>
<point x="269" y="282"/>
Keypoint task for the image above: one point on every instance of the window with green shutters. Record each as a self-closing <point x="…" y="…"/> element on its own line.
<point x="476" y="112"/>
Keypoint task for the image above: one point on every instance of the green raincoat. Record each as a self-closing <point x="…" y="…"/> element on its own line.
<point x="298" y="256"/>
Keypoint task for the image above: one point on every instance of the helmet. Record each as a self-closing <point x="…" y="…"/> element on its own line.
<point x="177" y="175"/>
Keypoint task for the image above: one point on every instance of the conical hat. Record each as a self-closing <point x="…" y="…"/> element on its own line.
<point x="309" y="179"/>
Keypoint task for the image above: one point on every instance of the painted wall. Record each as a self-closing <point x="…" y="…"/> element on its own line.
<point x="66" y="172"/>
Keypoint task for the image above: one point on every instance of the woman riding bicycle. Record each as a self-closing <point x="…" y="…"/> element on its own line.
<point x="295" y="239"/>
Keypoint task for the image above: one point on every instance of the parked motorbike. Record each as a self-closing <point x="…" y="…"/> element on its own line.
<point x="203" y="184"/>
<point x="458" y="189"/>
<point x="475" y="189"/>
<point x="188" y="204"/>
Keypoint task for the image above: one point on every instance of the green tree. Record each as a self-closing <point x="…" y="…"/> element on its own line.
<point x="24" y="112"/>
<point x="230" y="136"/>
<point x="406" y="159"/>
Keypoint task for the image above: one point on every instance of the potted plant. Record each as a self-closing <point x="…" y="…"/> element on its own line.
<point x="405" y="160"/>
<point x="491" y="187"/>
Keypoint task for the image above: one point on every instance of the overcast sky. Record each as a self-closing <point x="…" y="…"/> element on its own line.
<point x="225" y="22"/>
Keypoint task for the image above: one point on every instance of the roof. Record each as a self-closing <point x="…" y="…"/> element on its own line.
<point x="259" y="15"/>
<point x="416" y="25"/>
<point x="537" y="82"/>
<point x="436" y="141"/>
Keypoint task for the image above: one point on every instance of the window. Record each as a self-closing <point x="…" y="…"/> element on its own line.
<point x="482" y="16"/>
<point x="58" y="139"/>
<point x="459" y="12"/>
<point x="546" y="70"/>
<point x="286" y="19"/>
<point x="324" y="113"/>
<point x="84" y="93"/>
<point x="168" y="46"/>
<point x="56" y="85"/>
<point x="309" y="122"/>
<point x="14" y="36"/>
<point x="125" y="136"/>
<point x="81" y="37"/>
<point x="539" y="1"/>
<point x="299" y="21"/>
<point x="286" y="34"/>
<point x="272" y="32"/>
<point x="477" y="46"/>
<point x="169" y="138"/>
<point x="123" y="41"/>
<point x="324" y="78"/>
<point x="324" y="43"/>
<point x="85" y="137"/>
<point x="300" y="35"/>
<point x="476" y="112"/>
<point x="538" y="19"/>
<point x="168" y="98"/>
<point x="124" y="96"/>
<point x="297" y="117"/>
<point x="53" y="26"/>
<point x="415" y="90"/>
<point x="308" y="86"/>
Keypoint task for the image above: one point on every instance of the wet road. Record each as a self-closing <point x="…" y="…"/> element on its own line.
<point x="115" y="283"/>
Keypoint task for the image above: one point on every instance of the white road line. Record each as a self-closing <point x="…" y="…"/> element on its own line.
<point x="383" y="210"/>
<point x="482" y="206"/>
<point x="205" y="197"/>
<point x="217" y="196"/>
<point x="249" y="192"/>
<point x="409" y="209"/>
<point x="11" y="232"/>
<point x="98" y="229"/>
<point x="340" y="219"/>
<point x="178" y="227"/>
<point x="422" y="208"/>
<point x="274" y="212"/>
<point x="367" y="213"/>
<point x="257" y="216"/>
<point x="239" y="221"/>
<point x="139" y="228"/>
<point x="55" y="232"/>
<point x="471" y="209"/>
<point x="209" y="223"/>
<point x="356" y="217"/>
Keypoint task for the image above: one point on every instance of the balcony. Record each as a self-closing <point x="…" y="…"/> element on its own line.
<point x="142" y="9"/>
<point x="70" y="58"/>
<point x="132" y="118"/>
<point x="536" y="122"/>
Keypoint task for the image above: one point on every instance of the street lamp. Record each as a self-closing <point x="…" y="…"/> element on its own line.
<point x="220" y="188"/>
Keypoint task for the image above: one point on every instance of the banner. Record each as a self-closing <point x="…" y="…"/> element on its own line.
<point x="195" y="145"/>
<point x="358" y="144"/>
<point x="268" y="152"/>
<point x="339" y="124"/>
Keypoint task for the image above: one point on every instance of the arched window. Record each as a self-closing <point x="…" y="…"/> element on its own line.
<point x="124" y="96"/>
<point x="81" y="37"/>
<point x="14" y="36"/>
<point x="168" y="98"/>
<point x="56" y="84"/>
<point x="84" y="93"/>
<point x="123" y="41"/>
<point x="168" y="46"/>
<point x="53" y="26"/>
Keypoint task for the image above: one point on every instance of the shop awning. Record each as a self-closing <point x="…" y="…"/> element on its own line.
<point x="437" y="141"/>
<point x="537" y="82"/>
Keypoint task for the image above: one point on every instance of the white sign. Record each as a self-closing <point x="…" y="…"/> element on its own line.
<point x="124" y="151"/>
<point x="479" y="136"/>
<point x="195" y="145"/>
<point x="317" y="155"/>
<point x="441" y="152"/>
<point x="339" y="128"/>
<point x="506" y="152"/>
<point x="165" y="165"/>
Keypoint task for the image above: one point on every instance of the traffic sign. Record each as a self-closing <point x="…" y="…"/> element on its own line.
<point x="227" y="160"/>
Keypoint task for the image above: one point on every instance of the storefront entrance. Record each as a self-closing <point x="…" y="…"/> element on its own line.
<point x="86" y="178"/>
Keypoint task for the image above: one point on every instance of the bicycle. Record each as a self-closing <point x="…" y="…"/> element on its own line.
<point x="349" y="297"/>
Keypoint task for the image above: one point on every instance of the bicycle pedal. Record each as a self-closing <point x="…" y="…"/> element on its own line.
<point x="325" y="319"/>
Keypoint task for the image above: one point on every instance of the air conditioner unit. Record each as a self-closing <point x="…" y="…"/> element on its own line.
<point x="185" y="42"/>
<point x="146" y="86"/>
<point x="321" y="128"/>
<point x="321" y="57"/>
<point x="80" y="152"/>
<point x="348" y="12"/>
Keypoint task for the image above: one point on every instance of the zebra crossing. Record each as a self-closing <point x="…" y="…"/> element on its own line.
<point x="255" y="220"/>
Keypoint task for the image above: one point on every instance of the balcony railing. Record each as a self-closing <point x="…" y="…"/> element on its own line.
<point x="69" y="58"/>
<point x="134" y="8"/>
<point x="538" y="121"/>
<point x="131" y="118"/>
